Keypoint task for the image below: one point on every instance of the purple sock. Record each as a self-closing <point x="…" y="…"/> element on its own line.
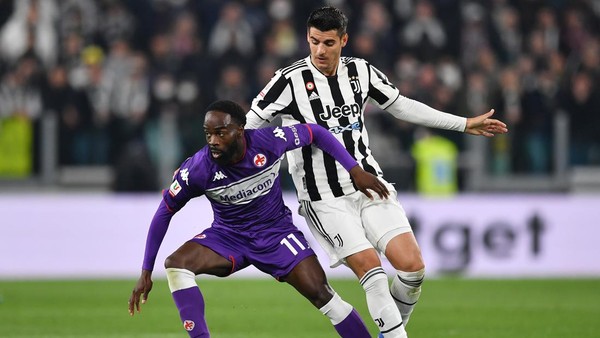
<point x="190" y="304"/>
<point x="352" y="327"/>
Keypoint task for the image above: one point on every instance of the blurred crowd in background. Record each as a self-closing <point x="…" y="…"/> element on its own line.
<point x="128" y="80"/>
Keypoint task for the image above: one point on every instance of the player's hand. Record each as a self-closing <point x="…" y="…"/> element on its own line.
<point x="484" y="125"/>
<point x="365" y="181"/>
<point x="141" y="291"/>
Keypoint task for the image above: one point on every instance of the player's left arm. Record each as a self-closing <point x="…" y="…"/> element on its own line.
<point x="386" y="96"/>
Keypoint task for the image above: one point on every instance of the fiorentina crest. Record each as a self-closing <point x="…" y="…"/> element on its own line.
<point x="188" y="325"/>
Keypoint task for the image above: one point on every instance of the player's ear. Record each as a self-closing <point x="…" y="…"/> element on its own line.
<point x="344" y="39"/>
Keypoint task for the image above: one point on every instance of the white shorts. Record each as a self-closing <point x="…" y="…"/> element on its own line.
<point x="349" y="224"/>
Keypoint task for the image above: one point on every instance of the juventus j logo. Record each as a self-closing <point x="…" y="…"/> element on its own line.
<point x="379" y="322"/>
<point x="355" y="83"/>
<point x="339" y="240"/>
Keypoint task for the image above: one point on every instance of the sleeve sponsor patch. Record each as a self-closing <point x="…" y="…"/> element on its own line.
<point x="174" y="189"/>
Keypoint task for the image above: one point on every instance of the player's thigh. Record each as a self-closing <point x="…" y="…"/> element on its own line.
<point x="383" y="220"/>
<point x="338" y="223"/>
<point x="199" y="259"/>
<point x="278" y="250"/>
<point x="404" y="253"/>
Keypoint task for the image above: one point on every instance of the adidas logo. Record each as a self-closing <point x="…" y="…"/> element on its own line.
<point x="219" y="176"/>
<point x="313" y="96"/>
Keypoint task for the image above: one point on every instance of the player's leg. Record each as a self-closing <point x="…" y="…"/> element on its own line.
<point x="309" y="279"/>
<point x="389" y="230"/>
<point x="337" y="226"/>
<point x="405" y="256"/>
<point x="182" y="266"/>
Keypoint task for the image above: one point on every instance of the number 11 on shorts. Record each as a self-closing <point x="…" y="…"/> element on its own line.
<point x="289" y="245"/>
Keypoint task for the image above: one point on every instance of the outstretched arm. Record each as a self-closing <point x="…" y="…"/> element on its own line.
<point x="484" y="125"/>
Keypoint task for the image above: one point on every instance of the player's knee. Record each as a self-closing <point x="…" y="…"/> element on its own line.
<point x="321" y="296"/>
<point x="363" y="261"/>
<point x="175" y="261"/>
<point x="410" y="260"/>
<point x="415" y="265"/>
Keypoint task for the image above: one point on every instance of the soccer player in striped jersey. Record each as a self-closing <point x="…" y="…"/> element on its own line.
<point x="330" y="90"/>
<point x="238" y="171"/>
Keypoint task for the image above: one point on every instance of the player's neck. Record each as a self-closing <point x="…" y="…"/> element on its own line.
<point x="330" y="71"/>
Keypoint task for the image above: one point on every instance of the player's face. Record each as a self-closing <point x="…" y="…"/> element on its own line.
<point x="325" y="49"/>
<point x="224" y="137"/>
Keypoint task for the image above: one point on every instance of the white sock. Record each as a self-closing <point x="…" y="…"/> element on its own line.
<point x="381" y="305"/>
<point x="406" y="290"/>
<point x="180" y="279"/>
<point x="336" y="309"/>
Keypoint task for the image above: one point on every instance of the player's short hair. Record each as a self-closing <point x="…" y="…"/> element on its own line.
<point x="236" y="111"/>
<point x="328" y="18"/>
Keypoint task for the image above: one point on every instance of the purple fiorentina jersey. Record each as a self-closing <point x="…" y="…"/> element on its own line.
<point x="244" y="195"/>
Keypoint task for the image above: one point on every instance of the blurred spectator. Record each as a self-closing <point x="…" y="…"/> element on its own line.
<point x="547" y="25"/>
<point x="575" y="34"/>
<point x="74" y="115"/>
<point x="581" y="104"/>
<point x="424" y="34"/>
<point x="79" y="17"/>
<point x="232" y="35"/>
<point x="506" y="23"/>
<point x="281" y="41"/>
<point x="20" y="110"/>
<point x="129" y="100"/>
<point x="97" y="89"/>
<point x="376" y="25"/>
<point x="31" y="29"/>
<point x="232" y="85"/>
<point x="117" y="23"/>
<point x="474" y="34"/>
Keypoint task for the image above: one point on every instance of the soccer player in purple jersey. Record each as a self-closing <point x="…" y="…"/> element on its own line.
<point x="238" y="171"/>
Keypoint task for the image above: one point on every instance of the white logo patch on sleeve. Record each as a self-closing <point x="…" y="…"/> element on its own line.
<point x="279" y="133"/>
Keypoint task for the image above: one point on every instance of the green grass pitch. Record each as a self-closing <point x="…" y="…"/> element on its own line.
<point x="263" y="308"/>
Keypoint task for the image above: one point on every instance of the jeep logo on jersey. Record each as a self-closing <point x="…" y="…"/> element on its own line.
<point x="339" y="112"/>
<point x="259" y="160"/>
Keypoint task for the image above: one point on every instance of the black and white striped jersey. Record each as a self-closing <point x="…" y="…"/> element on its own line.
<point x="300" y="93"/>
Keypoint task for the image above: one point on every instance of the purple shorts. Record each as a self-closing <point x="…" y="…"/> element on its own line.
<point x="275" y="251"/>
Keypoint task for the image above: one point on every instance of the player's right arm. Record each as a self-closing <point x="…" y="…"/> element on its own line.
<point x="156" y="234"/>
<point x="178" y="194"/>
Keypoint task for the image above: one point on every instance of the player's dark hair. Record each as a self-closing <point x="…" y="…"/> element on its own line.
<point x="328" y="18"/>
<point x="236" y="111"/>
